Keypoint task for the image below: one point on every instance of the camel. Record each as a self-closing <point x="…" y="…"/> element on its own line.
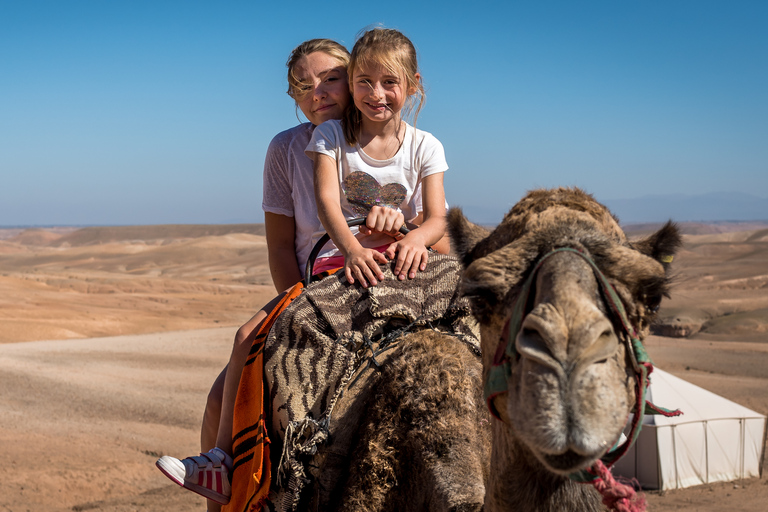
<point x="523" y="425"/>
<point x="568" y="381"/>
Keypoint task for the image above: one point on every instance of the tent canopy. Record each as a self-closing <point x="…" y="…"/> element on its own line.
<point x="714" y="440"/>
<point x="697" y="403"/>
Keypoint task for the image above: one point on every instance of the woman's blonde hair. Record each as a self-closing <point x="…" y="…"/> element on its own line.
<point x="296" y="88"/>
<point x="389" y="48"/>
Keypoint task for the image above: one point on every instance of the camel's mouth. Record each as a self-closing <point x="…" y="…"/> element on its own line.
<point x="568" y="462"/>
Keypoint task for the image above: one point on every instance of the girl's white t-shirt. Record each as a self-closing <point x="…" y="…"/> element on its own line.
<point x="365" y="181"/>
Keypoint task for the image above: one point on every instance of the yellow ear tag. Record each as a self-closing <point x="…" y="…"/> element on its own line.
<point x="667" y="259"/>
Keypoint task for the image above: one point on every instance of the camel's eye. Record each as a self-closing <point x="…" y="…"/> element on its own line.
<point x="653" y="303"/>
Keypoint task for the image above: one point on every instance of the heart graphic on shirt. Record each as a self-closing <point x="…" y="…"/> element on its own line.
<point x="364" y="192"/>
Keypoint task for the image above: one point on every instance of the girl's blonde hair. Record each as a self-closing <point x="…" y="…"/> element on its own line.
<point x="296" y="88"/>
<point x="391" y="49"/>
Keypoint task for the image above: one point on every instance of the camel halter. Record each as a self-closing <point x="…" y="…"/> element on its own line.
<point x="506" y="352"/>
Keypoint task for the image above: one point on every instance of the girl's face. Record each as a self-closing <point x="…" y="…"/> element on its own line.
<point x="378" y="94"/>
<point x="325" y="91"/>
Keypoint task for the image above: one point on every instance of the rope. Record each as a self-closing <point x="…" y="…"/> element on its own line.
<point x="302" y="440"/>
<point x="616" y="496"/>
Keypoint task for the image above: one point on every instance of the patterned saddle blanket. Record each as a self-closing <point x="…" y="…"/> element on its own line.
<point x="327" y="334"/>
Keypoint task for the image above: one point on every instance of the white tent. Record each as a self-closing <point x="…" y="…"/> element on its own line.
<point x="715" y="440"/>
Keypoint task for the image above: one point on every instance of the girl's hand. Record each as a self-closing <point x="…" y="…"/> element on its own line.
<point x="412" y="255"/>
<point x="363" y="264"/>
<point x="383" y="219"/>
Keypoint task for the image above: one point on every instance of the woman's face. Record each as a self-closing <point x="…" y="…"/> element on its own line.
<point x="324" y="92"/>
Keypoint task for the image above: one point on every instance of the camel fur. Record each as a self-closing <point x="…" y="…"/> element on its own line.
<point x="425" y="441"/>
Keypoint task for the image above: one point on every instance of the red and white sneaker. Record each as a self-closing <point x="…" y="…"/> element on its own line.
<point x="207" y="474"/>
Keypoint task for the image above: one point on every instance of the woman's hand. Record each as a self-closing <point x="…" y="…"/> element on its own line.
<point x="412" y="255"/>
<point x="383" y="219"/>
<point x="363" y="264"/>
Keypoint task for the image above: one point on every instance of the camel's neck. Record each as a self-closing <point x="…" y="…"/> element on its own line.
<point x="518" y="481"/>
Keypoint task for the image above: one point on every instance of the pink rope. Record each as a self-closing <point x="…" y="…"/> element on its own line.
<point x="616" y="496"/>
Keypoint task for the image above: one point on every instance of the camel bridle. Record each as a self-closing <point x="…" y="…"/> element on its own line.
<point x="642" y="365"/>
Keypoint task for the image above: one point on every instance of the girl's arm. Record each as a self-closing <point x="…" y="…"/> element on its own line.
<point x="443" y="246"/>
<point x="412" y="254"/>
<point x="281" y="248"/>
<point x="359" y="263"/>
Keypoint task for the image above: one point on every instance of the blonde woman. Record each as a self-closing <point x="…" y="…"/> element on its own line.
<point x="317" y="81"/>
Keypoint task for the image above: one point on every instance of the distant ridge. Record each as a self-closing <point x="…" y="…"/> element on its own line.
<point x="700" y="228"/>
<point x="703" y="208"/>
<point x="102" y="234"/>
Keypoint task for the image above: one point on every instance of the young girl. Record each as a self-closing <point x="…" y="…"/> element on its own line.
<point x="372" y="163"/>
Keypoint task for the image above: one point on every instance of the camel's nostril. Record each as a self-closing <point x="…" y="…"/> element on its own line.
<point x="533" y="343"/>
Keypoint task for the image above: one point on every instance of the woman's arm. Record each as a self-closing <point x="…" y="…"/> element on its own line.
<point x="359" y="262"/>
<point x="281" y="248"/>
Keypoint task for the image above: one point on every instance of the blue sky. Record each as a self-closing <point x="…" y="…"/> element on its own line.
<point x="154" y="112"/>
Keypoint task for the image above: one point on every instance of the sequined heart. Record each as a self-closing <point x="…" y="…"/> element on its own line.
<point x="364" y="192"/>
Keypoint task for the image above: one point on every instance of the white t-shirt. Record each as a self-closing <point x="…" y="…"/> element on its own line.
<point x="365" y="182"/>
<point x="289" y="186"/>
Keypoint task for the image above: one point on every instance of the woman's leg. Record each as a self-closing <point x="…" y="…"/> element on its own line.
<point x="212" y="414"/>
<point x="231" y="381"/>
<point x="242" y="346"/>
<point x="212" y="417"/>
<point x="216" y="430"/>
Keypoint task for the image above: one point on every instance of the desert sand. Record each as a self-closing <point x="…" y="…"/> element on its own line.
<point x="111" y="337"/>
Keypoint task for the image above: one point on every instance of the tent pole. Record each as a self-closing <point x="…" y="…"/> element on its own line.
<point x="659" y="475"/>
<point x="762" y="456"/>
<point x="743" y="445"/>
<point x="706" y="450"/>
<point x="674" y="455"/>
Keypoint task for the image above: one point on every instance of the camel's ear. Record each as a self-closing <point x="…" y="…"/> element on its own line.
<point x="464" y="235"/>
<point x="662" y="245"/>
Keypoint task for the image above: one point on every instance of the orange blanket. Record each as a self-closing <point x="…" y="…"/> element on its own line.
<point x="251" y="472"/>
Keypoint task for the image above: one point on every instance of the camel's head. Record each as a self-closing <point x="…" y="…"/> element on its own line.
<point x="569" y="381"/>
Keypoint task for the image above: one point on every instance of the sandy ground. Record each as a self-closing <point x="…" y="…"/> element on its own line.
<point x="83" y="421"/>
<point x="142" y="321"/>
